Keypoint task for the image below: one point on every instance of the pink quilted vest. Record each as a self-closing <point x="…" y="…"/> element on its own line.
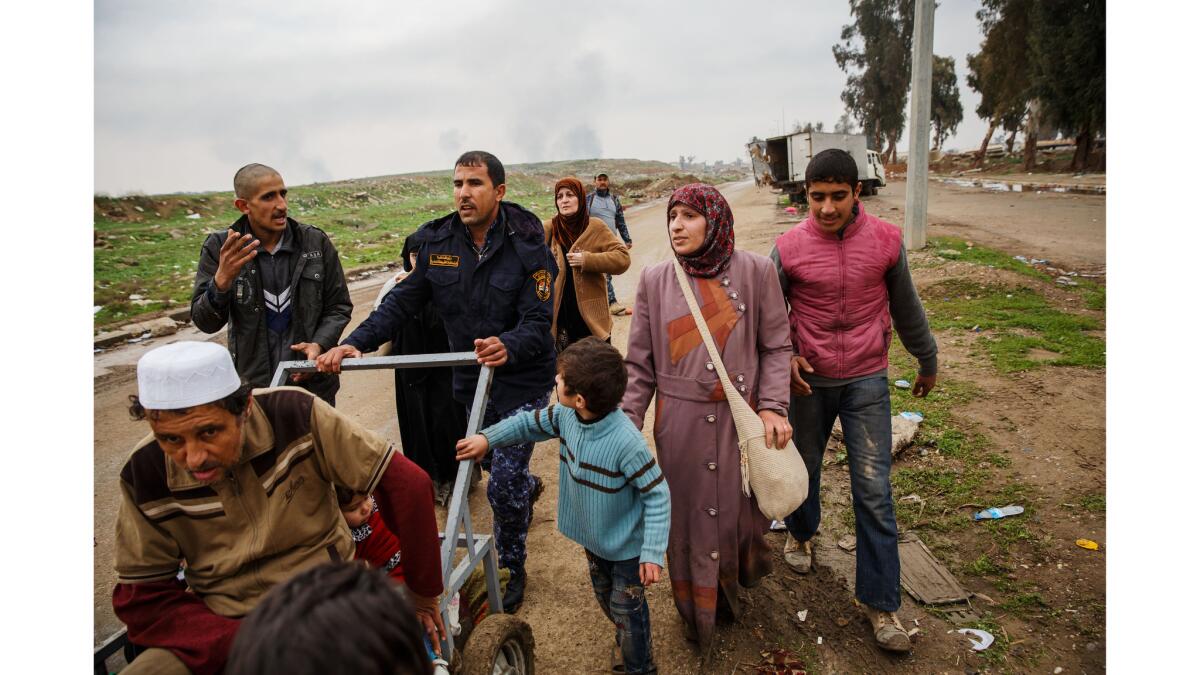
<point x="838" y="299"/>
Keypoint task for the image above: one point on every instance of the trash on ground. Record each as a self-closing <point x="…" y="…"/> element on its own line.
<point x="997" y="513"/>
<point x="924" y="577"/>
<point x="912" y="416"/>
<point x="1088" y="544"/>
<point x="96" y="309"/>
<point x="193" y="216"/>
<point x="1057" y="670"/>
<point x="904" y="431"/>
<point x="911" y="498"/>
<point x="790" y="209"/>
<point x="949" y="253"/>
<point x="903" y="384"/>
<point x="820" y="640"/>
<point x="781" y="662"/>
<point x="802" y="615"/>
<point x="1066" y="281"/>
<point x="975" y="329"/>
<point x="985" y="638"/>
<point x="848" y="543"/>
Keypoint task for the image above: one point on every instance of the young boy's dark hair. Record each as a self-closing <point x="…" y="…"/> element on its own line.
<point x="832" y="166"/>
<point x="335" y="618"/>
<point x="596" y="370"/>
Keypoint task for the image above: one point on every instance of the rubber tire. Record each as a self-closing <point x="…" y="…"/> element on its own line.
<point x="487" y="638"/>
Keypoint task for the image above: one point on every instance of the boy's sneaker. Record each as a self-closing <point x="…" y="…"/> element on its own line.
<point x="798" y="555"/>
<point x="889" y="632"/>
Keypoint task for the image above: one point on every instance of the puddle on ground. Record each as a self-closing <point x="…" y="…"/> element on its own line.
<point x="998" y="186"/>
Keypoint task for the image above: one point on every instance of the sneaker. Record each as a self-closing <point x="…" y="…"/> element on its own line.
<point x="889" y="632"/>
<point x="798" y="555"/>
<point x="617" y="308"/>
<point x="778" y="526"/>
<point x="514" y="592"/>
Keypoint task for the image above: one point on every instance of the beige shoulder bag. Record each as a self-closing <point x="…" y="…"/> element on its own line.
<point x="777" y="477"/>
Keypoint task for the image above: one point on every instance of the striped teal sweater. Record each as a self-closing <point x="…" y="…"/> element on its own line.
<point x="612" y="497"/>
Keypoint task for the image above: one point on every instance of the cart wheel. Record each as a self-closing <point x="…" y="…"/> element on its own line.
<point x="501" y="644"/>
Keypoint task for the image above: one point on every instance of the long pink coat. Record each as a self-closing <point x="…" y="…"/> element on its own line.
<point x="716" y="539"/>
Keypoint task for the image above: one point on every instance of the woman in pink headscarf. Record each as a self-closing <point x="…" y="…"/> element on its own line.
<point x="716" y="541"/>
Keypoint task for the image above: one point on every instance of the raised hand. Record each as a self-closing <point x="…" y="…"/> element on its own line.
<point x="235" y="253"/>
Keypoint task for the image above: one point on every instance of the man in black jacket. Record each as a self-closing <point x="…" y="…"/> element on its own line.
<point x="487" y="271"/>
<point x="276" y="282"/>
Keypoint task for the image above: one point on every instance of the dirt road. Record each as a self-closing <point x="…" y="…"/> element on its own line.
<point x="572" y="635"/>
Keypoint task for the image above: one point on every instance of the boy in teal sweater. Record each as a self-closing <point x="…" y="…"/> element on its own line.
<point x="612" y="497"/>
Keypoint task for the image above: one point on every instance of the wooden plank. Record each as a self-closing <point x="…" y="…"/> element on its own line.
<point x="926" y="579"/>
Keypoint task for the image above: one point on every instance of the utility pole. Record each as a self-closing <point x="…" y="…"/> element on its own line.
<point x="916" y="201"/>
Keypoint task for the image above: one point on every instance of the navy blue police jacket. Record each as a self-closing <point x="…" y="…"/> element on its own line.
<point x="504" y="292"/>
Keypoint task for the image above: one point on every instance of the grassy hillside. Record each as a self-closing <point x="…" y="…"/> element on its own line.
<point x="146" y="246"/>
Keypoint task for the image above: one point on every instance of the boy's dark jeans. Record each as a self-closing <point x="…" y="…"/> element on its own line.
<point x="865" y="410"/>
<point x="618" y="588"/>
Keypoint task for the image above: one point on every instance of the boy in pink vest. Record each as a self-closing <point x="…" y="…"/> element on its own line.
<point x="845" y="277"/>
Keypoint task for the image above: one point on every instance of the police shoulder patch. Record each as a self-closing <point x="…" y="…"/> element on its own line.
<point x="542" y="284"/>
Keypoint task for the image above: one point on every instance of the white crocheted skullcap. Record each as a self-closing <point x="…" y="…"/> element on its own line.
<point x="185" y="374"/>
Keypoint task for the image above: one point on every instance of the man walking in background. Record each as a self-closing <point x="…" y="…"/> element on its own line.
<point x="605" y="205"/>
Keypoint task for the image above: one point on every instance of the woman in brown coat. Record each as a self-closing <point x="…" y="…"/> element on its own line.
<point x="585" y="250"/>
<point x="716" y="542"/>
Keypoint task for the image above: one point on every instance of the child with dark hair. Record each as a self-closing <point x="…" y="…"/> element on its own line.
<point x="295" y="628"/>
<point x="612" y="497"/>
<point x="373" y="541"/>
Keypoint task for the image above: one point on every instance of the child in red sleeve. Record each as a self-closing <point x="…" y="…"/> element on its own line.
<point x="373" y="541"/>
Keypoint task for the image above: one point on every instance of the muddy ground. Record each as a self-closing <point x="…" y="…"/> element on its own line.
<point x="1043" y="430"/>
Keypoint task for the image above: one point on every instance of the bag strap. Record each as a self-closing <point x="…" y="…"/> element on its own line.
<point x="731" y="393"/>
<point x="702" y="326"/>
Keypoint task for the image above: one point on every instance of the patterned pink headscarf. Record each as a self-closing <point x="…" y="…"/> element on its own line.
<point x="713" y="255"/>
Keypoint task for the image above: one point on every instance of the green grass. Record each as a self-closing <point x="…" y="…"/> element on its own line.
<point x="1093" y="502"/>
<point x="1024" y="604"/>
<point x="1017" y="321"/>
<point x="1093" y="293"/>
<point x="984" y="566"/>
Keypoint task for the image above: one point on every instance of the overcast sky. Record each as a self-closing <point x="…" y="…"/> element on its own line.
<point x="185" y="93"/>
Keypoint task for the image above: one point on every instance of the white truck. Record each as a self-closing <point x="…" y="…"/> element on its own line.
<point x="786" y="158"/>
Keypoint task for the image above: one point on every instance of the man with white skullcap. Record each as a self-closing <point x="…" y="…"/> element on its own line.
<point x="237" y="488"/>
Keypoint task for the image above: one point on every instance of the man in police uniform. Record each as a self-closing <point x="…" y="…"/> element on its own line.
<point x="488" y="272"/>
